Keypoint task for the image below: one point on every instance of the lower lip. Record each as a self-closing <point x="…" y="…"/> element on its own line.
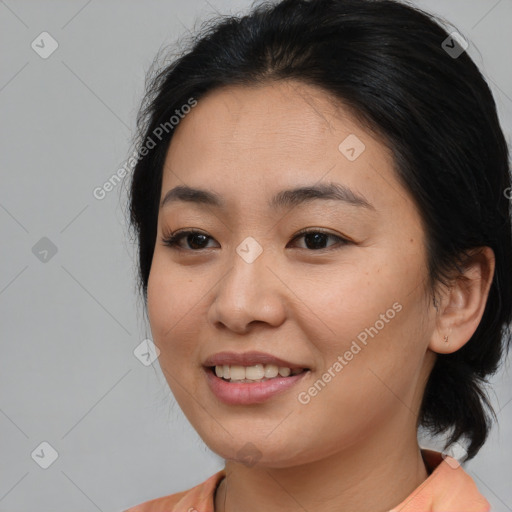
<point x="245" y="393"/>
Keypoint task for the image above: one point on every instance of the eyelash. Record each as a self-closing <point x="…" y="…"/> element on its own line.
<point x="172" y="240"/>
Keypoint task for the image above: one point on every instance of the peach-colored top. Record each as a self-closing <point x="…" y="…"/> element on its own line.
<point x="448" y="488"/>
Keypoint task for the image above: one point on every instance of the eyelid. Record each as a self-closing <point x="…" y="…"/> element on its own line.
<point x="173" y="238"/>
<point x="324" y="231"/>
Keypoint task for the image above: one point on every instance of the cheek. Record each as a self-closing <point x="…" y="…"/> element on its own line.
<point x="172" y="303"/>
<point x="370" y="315"/>
<point x="159" y="301"/>
<point x="340" y="304"/>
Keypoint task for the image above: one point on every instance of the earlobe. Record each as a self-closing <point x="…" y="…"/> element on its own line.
<point x="460" y="309"/>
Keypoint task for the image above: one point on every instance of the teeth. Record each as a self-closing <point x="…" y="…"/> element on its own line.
<point x="236" y="372"/>
<point x="258" y="372"/>
<point x="284" y="372"/>
<point x="271" y="371"/>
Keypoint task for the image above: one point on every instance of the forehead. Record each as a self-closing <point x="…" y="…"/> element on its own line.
<point x="285" y="117"/>
<point x="253" y="142"/>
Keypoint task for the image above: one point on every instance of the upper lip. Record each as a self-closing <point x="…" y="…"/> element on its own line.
<point x="248" y="359"/>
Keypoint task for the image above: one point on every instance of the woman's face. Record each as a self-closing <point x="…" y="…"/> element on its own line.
<point x="344" y="305"/>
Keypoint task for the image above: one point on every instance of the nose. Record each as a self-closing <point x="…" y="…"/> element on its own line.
<point x="249" y="293"/>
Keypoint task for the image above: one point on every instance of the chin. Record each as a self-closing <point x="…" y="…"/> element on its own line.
<point x="261" y="451"/>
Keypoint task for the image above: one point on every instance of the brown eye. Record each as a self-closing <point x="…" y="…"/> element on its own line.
<point x="315" y="239"/>
<point x="195" y="240"/>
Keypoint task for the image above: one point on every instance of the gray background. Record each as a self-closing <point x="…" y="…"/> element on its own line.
<point x="69" y="325"/>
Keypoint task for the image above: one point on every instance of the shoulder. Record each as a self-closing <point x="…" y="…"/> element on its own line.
<point x="200" y="497"/>
<point x="447" y="488"/>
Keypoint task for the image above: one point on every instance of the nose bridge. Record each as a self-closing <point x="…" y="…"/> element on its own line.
<point x="249" y="291"/>
<point x="249" y="280"/>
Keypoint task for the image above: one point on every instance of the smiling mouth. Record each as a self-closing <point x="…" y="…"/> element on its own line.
<point x="253" y="374"/>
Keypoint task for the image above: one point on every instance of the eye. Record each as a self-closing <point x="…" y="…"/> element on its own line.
<point x="196" y="240"/>
<point x="315" y="238"/>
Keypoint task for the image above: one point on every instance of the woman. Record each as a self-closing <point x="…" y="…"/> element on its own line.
<point x="324" y="246"/>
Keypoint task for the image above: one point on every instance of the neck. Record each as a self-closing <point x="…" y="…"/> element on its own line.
<point x="367" y="479"/>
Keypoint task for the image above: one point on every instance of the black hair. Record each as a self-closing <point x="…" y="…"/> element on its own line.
<point x="390" y="64"/>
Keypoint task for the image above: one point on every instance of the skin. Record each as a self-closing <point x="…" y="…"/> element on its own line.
<point x="354" y="445"/>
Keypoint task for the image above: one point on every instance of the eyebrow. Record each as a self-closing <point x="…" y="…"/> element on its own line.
<point x="284" y="199"/>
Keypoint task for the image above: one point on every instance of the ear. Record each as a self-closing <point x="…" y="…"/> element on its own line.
<point x="459" y="309"/>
